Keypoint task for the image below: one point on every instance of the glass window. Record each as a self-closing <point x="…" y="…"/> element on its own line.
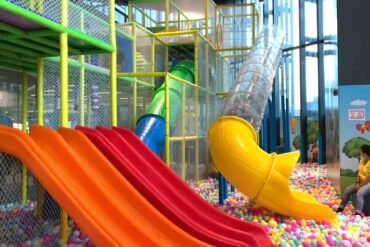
<point x="330" y="17"/>
<point x="310" y="19"/>
<point x="295" y="22"/>
<point x="294" y="94"/>
<point x="331" y="83"/>
<point x="286" y="20"/>
<point x="295" y="86"/>
<point x="270" y="2"/>
<point x="312" y="74"/>
<point x="312" y="99"/>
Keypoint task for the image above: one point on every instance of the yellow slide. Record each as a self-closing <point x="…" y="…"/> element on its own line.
<point x="93" y="193"/>
<point x="261" y="176"/>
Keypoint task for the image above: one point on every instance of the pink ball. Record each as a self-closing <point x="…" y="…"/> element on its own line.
<point x="305" y="244"/>
<point x="89" y="244"/>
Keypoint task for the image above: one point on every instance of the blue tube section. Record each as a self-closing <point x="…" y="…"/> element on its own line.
<point x="151" y="130"/>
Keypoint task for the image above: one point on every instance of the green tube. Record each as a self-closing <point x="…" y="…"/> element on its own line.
<point x="183" y="70"/>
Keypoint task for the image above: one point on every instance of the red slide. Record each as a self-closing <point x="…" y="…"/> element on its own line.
<point x="170" y="195"/>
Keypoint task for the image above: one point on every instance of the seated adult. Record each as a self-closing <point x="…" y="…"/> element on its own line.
<point x="362" y="185"/>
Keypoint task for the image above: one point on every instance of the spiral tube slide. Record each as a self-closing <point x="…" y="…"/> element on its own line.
<point x="233" y="138"/>
<point x="150" y="127"/>
<point x="248" y="96"/>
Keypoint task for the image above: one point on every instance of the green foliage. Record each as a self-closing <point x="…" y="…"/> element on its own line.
<point x="313" y="127"/>
<point x="352" y="147"/>
<point x="312" y="138"/>
<point x="347" y="173"/>
<point x="297" y="142"/>
<point x="312" y="135"/>
<point x="281" y="141"/>
<point x="312" y="132"/>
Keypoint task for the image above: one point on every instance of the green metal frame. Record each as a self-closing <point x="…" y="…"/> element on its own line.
<point x="29" y="48"/>
<point x="132" y="76"/>
<point x="82" y="78"/>
<point x="134" y="83"/>
<point x="113" y="63"/>
<point x="24" y="129"/>
<point x="29" y="45"/>
<point x="24" y="50"/>
<point x="196" y="82"/>
<point x="64" y="99"/>
<point x="225" y="53"/>
<point x="40" y="121"/>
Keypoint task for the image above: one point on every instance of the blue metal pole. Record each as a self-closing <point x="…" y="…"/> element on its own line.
<point x="232" y="189"/>
<point x="272" y="124"/>
<point x="287" y="134"/>
<point x="321" y="81"/>
<point x="260" y="136"/>
<point x="302" y="57"/>
<point x="225" y="187"/>
<point x="220" y="189"/>
<point x="283" y="116"/>
<point x="265" y="133"/>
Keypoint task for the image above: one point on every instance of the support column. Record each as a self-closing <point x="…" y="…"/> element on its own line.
<point x="113" y="64"/>
<point x="82" y="78"/>
<point x="183" y="132"/>
<point x="196" y="99"/>
<point x="206" y="18"/>
<point x="134" y="83"/>
<point x="166" y="14"/>
<point x="302" y="57"/>
<point x="167" y="120"/>
<point x="321" y="81"/>
<point x="24" y="129"/>
<point x="64" y="100"/>
<point x="40" y="121"/>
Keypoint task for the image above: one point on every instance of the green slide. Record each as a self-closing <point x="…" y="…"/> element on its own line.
<point x="151" y="126"/>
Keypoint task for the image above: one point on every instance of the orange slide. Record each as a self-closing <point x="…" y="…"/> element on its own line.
<point x="106" y="207"/>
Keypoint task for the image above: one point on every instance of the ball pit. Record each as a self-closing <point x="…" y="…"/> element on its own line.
<point x="76" y="237"/>
<point x="20" y="228"/>
<point x="347" y="229"/>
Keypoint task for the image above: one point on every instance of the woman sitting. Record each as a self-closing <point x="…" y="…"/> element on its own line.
<point x="362" y="185"/>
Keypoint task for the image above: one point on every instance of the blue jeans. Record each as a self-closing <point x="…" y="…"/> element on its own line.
<point x="360" y="196"/>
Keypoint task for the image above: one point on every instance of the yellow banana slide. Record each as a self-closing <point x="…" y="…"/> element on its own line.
<point x="261" y="176"/>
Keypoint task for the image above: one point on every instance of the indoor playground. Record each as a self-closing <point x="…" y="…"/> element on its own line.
<point x="181" y="123"/>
